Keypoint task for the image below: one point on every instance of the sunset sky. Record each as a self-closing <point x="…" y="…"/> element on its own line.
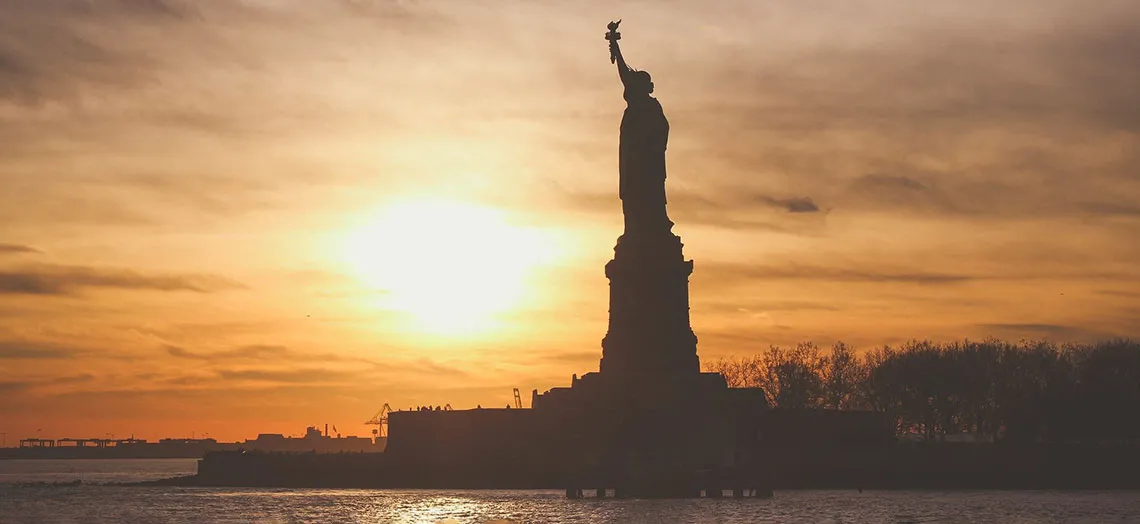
<point x="232" y="217"/>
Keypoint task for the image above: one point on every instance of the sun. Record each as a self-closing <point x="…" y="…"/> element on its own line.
<point x="452" y="267"/>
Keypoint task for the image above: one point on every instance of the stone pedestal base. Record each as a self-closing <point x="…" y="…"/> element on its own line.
<point x="649" y="330"/>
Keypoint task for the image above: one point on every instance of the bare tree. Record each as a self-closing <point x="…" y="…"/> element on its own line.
<point x="793" y="378"/>
<point x="1028" y="391"/>
<point x="842" y="377"/>
<point x="739" y="372"/>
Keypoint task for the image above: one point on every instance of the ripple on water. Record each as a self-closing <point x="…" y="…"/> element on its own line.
<point x="93" y="503"/>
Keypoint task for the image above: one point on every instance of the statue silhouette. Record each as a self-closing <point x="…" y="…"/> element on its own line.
<point x="649" y="331"/>
<point x="641" y="154"/>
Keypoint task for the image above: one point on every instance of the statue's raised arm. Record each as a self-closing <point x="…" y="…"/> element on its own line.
<point x="615" y="53"/>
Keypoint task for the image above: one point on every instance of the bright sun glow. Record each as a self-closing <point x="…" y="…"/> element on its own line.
<point x="452" y="267"/>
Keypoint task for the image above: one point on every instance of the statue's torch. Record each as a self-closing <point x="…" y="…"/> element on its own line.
<point x="613" y="36"/>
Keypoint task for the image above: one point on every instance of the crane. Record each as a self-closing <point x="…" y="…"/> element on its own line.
<point x="380" y="420"/>
<point x="518" y="399"/>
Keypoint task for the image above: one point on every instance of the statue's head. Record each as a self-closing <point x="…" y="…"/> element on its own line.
<point x="641" y="84"/>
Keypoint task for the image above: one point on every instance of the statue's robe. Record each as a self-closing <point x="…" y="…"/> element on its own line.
<point x="641" y="165"/>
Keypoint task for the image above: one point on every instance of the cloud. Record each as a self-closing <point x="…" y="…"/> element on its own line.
<point x="881" y="191"/>
<point x="221" y="195"/>
<point x="22" y="386"/>
<point x="301" y="376"/>
<point x="735" y="207"/>
<point x="931" y="119"/>
<point x="1119" y="293"/>
<point x="743" y="208"/>
<point x="1106" y="208"/>
<point x="731" y="272"/>
<point x="81" y="378"/>
<point x="67" y="280"/>
<point x="750" y="307"/>
<point x="1053" y="331"/>
<point x="25" y="350"/>
<point x="16" y="249"/>
<point x="935" y="194"/>
<point x="258" y="352"/>
<point x="52" y="47"/>
<point x="430" y="367"/>
<point x="572" y="357"/>
<point x="792" y="205"/>
<point x="14" y="386"/>
<point x="945" y="72"/>
<point x="179" y="352"/>
<point x="283" y="354"/>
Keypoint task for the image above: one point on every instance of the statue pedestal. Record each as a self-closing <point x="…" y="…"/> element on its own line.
<point x="649" y="331"/>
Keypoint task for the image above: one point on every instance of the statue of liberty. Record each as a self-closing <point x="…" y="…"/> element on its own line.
<point x="641" y="154"/>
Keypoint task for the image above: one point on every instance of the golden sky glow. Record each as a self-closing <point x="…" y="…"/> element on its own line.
<point x="453" y="268"/>
<point x="244" y="216"/>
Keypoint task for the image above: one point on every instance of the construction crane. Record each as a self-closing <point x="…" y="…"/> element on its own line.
<point x="380" y="420"/>
<point x="518" y="399"/>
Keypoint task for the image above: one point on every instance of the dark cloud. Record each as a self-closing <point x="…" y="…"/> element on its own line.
<point x="1106" y="208"/>
<point x="941" y="74"/>
<point x="1119" y="293"/>
<point x="1005" y="117"/>
<point x="999" y="199"/>
<point x="17" y="387"/>
<point x="731" y="207"/>
<point x="301" y="376"/>
<point x="187" y="380"/>
<point x="258" y="352"/>
<point x="725" y="273"/>
<point x="743" y="305"/>
<point x="1052" y="331"/>
<point x="363" y="369"/>
<point x="101" y="9"/>
<point x="24" y="284"/>
<point x="81" y="378"/>
<point x="792" y="205"/>
<point x="46" y="56"/>
<point x="19" y="349"/>
<point x="263" y="351"/>
<point x="9" y="249"/>
<point x="179" y="352"/>
<point x="66" y="280"/>
<point x="744" y="340"/>
<point x="65" y="50"/>
<point x="573" y="357"/>
<point x="898" y="192"/>
<point x="197" y="399"/>
<point x="14" y="386"/>
<point x="886" y="182"/>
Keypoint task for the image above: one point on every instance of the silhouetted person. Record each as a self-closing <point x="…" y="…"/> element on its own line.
<point x="641" y="154"/>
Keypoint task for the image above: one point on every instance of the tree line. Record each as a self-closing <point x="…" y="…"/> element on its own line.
<point x="993" y="389"/>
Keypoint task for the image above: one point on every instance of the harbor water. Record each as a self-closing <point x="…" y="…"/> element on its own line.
<point x="27" y="495"/>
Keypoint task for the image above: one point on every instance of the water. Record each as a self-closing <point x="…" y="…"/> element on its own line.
<point x="109" y="503"/>
<point x="100" y="471"/>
